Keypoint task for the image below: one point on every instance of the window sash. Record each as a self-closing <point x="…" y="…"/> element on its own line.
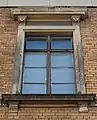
<point x="48" y="67"/>
<point x="48" y="40"/>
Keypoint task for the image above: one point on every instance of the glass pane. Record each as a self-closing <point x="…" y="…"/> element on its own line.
<point x="34" y="75"/>
<point x="36" y="45"/>
<point x="63" y="88"/>
<point x="62" y="60"/>
<point x="62" y="75"/>
<point x="34" y="89"/>
<point x="35" y="60"/>
<point x="61" y="43"/>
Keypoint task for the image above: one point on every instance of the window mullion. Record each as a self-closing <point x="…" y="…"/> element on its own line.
<point x="48" y="83"/>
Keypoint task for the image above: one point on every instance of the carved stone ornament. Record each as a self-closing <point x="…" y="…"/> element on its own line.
<point x="22" y="18"/>
<point x="75" y="18"/>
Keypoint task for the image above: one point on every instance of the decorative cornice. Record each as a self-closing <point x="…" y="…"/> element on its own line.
<point x="62" y="11"/>
<point x="50" y="9"/>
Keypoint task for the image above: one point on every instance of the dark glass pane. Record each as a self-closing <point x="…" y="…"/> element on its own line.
<point x="63" y="88"/>
<point x="61" y="43"/>
<point x="62" y="75"/>
<point x="34" y="75"/>
<point x="34" y="89"/>
<point x="62" y="60"/>
<point x="36" y="45"/>
<point x="35" y="60"/>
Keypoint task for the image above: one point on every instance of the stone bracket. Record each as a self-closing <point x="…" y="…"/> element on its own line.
<point x="83" y="107"/>
<point x="76" y="18"/>
<point x="13" y="106"/>
<point x="94" y="103"/>
<point x="22" y="18"/>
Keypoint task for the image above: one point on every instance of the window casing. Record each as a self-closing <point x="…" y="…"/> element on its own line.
<point x="48" y="65"/>
<point x="72" y="30"/>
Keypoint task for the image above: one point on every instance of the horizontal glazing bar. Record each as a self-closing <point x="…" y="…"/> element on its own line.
<point x="35" y="50"/>
<point x="32" y="83"/>
<point x="51" y="67"/>
<point x="36" y="38"/>
<point x="62" y="83"/>
<point x="45" y="50"/>
<point x="62" y="67"/>
<point x="36" y="67"/>
<point x="62" y="50"/>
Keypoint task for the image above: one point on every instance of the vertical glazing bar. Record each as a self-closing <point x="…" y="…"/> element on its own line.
<point x="48" y="90"/>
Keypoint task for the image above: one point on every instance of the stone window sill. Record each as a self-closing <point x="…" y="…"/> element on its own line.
<point x="16" y="101"/>
<point x="47" y="98"/>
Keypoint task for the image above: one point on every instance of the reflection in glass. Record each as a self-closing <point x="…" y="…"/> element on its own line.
<point x="61" y="43"/>
<point x="63" y="88"/>
<point x="34" y="75"/>
<point x="61" y="60"/>
<point x="35" y="60"/>
<point x="62" y="75"/>
<point x="36" y="45"/>
<point x="34" y="89"/>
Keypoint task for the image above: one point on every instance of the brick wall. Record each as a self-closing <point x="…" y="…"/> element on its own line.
<point x="48" y="114"/>
<point x="8" y="39"/>
<point x="89" y="43"/>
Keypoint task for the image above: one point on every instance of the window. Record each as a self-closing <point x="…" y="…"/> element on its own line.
<point x="49" y="52"/>
<point x="48" y="65"/>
